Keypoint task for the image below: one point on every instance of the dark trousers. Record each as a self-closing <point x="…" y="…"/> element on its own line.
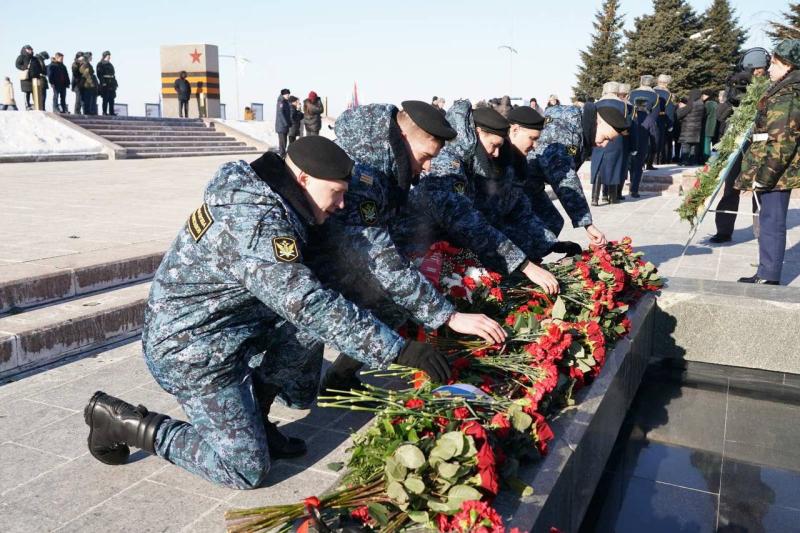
<point x="28" y="103"/>
<point x="292" y="138"/>
<point x="772" y="235"/>
<point x="60" y="93"/>
<point x="4" y="107"/>
<point x="637" y="169"/>
<point x="282" y="138"/>
<point x="89" y="100"/>
<point x="78" y="108"/>
<point x="108" y="105"/>
<point x="690" y="153"/>
<point x="183" y="108"/>
<point x="729" y="200"/>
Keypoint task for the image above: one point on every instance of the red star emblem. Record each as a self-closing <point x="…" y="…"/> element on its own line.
<point x="195" y="56"/>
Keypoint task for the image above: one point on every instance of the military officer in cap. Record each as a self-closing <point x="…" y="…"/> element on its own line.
<point x="608" y="162"/>
<point x="444" y="206"/>
<point x="353" y="252"/>
<point x="550" y="160"/>
<point x="771" y="166"/>
<point x="604" y="122"/>
<point x="645" y="114"/>
<point x="232" y="282"/>
<point x="665" y="120"/>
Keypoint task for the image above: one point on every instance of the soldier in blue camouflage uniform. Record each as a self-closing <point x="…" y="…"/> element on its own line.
<point x="355" y="254"/>
<point x="230" y="290"/>
<point x="552" y="161"/>
<point x="459" y="200"/>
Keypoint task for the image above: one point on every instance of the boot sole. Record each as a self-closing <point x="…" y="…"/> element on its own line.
<point x="87" y="417"/>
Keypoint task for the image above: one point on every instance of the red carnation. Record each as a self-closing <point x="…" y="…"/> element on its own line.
<point x="362" y="514"/>
<point x="458" y="292"/>
<point x="489" y="480"/>
<point x="496" y="293"/>
<point x="414" y="403"/>
<point x="502" y="425"/>
<point x="461" y="413"/>
<point x="469" y="283"/>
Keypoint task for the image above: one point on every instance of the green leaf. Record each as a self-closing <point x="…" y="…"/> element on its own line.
<point x="396" y="492"/>
<point x="394" y="470"/>
<point x="444" y="450"/>
<point x="559" y="309"/>
<point x="420" y="517"/>
<point x="412" y="436"/>
<point x="521" y="421"/>
<point x="414" y="484"/>
<point x="447" y="470"/>
<point x="379" y="513"/>
<point x="335" y="466"/>
<point x="410" y="456"/>
<point x="463" y="493"/>
<point x="457" y="438"/>
<point x="443" y="507"/>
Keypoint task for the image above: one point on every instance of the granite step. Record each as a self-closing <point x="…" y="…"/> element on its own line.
<point x="47" y="334"/>
<point x="145" y="127"/>
<point x="138" y="135"/>
<point x="134" y="154"/>
<point x="106" y="119"/>
<point x="199" y="143"/>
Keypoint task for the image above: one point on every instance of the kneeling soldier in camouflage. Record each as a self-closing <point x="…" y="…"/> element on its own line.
<point x="228" y="293"/>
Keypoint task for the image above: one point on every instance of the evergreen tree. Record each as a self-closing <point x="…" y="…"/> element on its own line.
<point x="600" y="62"/>
<point x="670" y="41"/>
<point x="725" y="39"/>
<point x="790" y="28"/>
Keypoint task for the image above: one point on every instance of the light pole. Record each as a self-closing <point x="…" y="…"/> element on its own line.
<point x="511" y="52"/>
<point x="237" y="59"/>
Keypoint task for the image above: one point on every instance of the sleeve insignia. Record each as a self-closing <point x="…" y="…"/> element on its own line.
<point x="572" y="150"/>
<point x="459" y="187"/>
<point x="548" y="120"/>
<point x="285" y="249"/>
<point x="368" y="211"/>
<point x="199" y="222"/>
<point x="366" y="179"/>
<point x="455" y="164"/>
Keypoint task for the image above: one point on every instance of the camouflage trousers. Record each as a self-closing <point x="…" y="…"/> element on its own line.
<point x="544" y="208"/>
<point x="224" y="440"/>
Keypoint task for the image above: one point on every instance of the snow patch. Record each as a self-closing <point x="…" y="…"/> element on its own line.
<point x="34" y="133"/>
<point x="264" y="131"/>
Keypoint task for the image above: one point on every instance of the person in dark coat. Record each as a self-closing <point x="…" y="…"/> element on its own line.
<point x="38" y="71"/>
<point x="692" y="119"/>
<point x="283" y="120"/>
<point x="312" y="113"/>
<point x="666" y="121"/>
<point x="89" y="85"/>
<point x="58" y="76"/>
<point x="108" y="83"/>
<point x="23" y="63"/>
<point x="710" y="125"/>
<point x="608" y="162"/>
<point x="184" y="90"/>
<point x="296" y="129"/>
<point x="76" y="82"/>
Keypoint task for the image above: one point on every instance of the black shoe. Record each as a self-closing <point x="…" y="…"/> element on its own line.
<point x="281" y="446"/>
<point x="605" y="200"/>
<point x="334" y="381"/>
<point x="758" y="281"/>
<point x="719" y="238"/>
<point x="635" y="195"/>
<point x="650" y="167"/>
<point x="115" y="425"/>
<point x="595" y="203"/>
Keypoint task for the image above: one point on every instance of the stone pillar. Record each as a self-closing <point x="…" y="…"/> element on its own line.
<point x="201" y="63"/>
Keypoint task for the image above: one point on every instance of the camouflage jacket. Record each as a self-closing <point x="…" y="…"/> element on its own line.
<point x="443" y="207"/>
<point x="553" y="162"/>
<point x="235" y="273"/>
<point x="773" y="160"/>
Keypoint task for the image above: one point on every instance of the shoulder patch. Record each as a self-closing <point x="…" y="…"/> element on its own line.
<point x="572" y="150"/>
<point x="366" y="179"/>
<point x="548" y="120"/>
<point x="459" y="187"/>
<point x="455" y="164"/>
<point x="368" y="211"/>
<point x="199" y="222"/>
<point x="285" y="249"/>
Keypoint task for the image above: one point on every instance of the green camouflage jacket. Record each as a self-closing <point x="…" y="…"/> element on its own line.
<point x="773" y="160"/>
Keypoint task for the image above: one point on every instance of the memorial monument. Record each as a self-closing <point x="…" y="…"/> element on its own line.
<point x="201" y="63"/>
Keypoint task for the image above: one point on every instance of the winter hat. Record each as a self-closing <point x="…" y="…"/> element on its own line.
<point x="611" y="87"/>
<point x="320" y="158"/>
<point x="285" y="91"/>
<point x="664" y="78"/>
<point x="429" y="119"/>
<point x="527" y="117"/>
<point x="624" y="88"/>
<point x="106" y="54"/>
<point x="312" y="95"/>
<point x="647" y="80"/>
<point x="292" y="99"/>
<point x="789" y="52"/>
<point x="490" y="121"/>
<point x="78" y="54"/>
<point x="44" y="55"/>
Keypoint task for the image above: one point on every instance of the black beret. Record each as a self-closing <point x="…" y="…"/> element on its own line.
<point x="527" y="117"/>
<point x="615" y="113"/>
<point x="490" y="121"/>
<point x="321" y="158"/>
<point x="285" y="91"/>
<point x="429" y="119"/>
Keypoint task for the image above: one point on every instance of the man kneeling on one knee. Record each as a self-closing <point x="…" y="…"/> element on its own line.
<point x="226" y="309"/>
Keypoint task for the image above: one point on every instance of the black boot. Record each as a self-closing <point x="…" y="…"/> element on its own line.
<point x="613" y="194"/>
<point x="596" y="193"/>
<point x="280" y="446"/>
<point x="115" y="425"/>
<point x="758" y="281"/>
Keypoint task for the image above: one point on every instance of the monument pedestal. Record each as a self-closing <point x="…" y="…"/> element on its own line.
<point x="201" y="63"/>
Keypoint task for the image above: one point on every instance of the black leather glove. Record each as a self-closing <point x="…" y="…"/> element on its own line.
<point x="425" y="357"/>
<point x="567" y="248"/>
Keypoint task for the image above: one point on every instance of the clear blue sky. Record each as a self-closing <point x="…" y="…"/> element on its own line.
<point x="394" y="50"/>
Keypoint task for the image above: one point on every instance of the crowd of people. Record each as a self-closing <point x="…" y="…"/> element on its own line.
<point x="295" y="119"/>
<point x="38" y="73"/>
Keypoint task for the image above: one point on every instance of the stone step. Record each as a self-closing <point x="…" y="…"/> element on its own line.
<point x="47" y="334"/>
<point x="145" y="127"/>
<point x="138" y="135"/>
<point x="192" y="147"/>
<point x="101" y="118"/>
<point x="198" y="143"/>
<point x="135" y="154"/>
<point x="35" y="283"/>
